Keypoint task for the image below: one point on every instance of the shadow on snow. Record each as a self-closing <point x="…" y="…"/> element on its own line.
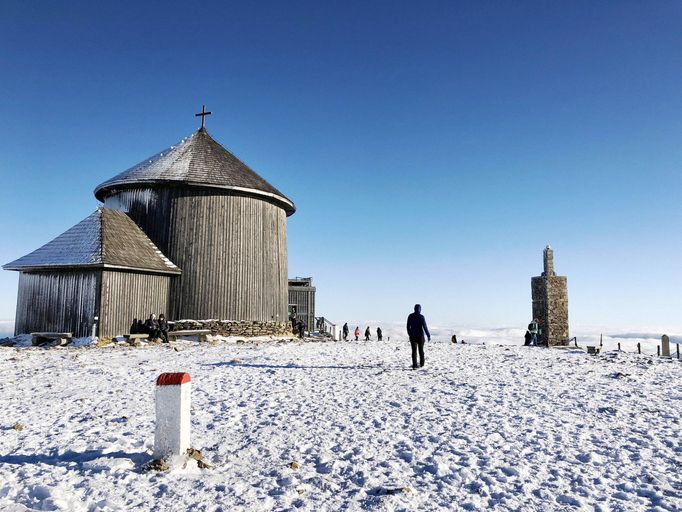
<point x="294" y="366"/>
<point x="69" y="457"/>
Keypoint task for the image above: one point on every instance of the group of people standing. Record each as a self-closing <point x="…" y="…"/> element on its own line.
<point x="298" y="326"/>
<point x="368" y="333"/>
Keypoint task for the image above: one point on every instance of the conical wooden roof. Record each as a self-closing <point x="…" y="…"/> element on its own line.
<point x="196" y="161"/>
<point x="105" y="239"/>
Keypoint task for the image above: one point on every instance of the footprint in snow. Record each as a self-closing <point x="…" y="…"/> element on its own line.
<point x="584" y="457"/>
<point x="509" y="471"/>
<point x="406" y="456"/>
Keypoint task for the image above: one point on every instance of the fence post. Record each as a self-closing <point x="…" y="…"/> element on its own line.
<point x="665" y="346"/>
<point x="639" y="347"/>
<point x="678" y="350"/>
<point x="658" y="350"/>
<point x="619" y="346"/>
<point x="172" y="436"/>
<point x="601" y="340"/>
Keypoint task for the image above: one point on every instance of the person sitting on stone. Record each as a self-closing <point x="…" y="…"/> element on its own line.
<point x="152" y="327"/>
<point x="163" y="328"/>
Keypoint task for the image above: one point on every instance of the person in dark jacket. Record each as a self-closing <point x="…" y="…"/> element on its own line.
<point x="527" y="337"/>
<point x="416" y="328"/>
<point x="534" y="329"/>
<point x="301" y="328"/>
<point x="367" y="333"/>
<point x="345" y="331"/>
<point x="163" y="328"/>
<point x="379" y="334"/>
<point x="152" y="327"/>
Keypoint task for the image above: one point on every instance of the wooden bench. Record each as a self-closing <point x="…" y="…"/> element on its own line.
<point x="54" y="338"/>
<point x="60" y="338"/>
<point x="135" y="338"/>
<point x="592" y="350"/>
<point x="201" y="333"/>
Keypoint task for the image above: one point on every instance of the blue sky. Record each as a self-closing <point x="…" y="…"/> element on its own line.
<point x="432" y="148"/>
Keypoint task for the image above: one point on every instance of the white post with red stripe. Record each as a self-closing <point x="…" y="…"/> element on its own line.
<point x="172" y="435"/>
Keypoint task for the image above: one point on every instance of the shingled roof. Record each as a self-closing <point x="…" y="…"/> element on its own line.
<point x="105" y="239"/>
<point x="197" y="161"/>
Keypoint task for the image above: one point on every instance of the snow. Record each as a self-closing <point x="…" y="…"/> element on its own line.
<point x="344" y="426"/>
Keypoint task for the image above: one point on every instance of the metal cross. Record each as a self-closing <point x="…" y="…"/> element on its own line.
<point x="203" y="115"/>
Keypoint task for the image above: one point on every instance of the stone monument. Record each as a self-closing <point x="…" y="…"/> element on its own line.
<point x="550" y="303"/>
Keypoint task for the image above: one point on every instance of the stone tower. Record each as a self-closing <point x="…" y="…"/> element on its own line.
<point x="550" y="303"/>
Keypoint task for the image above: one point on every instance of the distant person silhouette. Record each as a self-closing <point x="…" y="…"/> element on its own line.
<point x="367" y="334"/>
<point x="379" y="334"/>
<point x="534" y="330"/>
<point x="357" y="332"/>
<point x="163" y="328"/>
<point x="345" y="331"/>
<point x="416" y="328"/>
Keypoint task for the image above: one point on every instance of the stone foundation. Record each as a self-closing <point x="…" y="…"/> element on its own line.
<point x="243" y="328"/>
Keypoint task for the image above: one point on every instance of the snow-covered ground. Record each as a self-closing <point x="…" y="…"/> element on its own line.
<point x="479" y="427"/>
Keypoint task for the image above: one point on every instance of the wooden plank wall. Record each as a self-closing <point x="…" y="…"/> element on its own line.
<point x="127" y="296"/>
<point x="64" y="301"/>
<point x="304" y="298"/>
<point x="232" y="250"/>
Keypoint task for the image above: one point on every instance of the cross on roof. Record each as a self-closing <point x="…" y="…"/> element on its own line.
<point x="203" y="115"/>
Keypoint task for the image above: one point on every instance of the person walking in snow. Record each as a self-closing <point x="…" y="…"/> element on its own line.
<point x="534" y="329"/>
<point x="357" y="332"/>
<point x="367" y="333"/>
<point x="416" y="328"/>
<point x="379" y="334"/>
<point x="345" y="331"/>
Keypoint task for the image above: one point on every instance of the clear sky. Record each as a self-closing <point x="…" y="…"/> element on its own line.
<point x="432" y="149"/>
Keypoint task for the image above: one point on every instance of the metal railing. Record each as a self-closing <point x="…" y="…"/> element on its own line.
<point x="323" y="325"/>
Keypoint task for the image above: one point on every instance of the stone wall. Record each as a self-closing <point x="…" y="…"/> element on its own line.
<point x="243" y="328"/>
